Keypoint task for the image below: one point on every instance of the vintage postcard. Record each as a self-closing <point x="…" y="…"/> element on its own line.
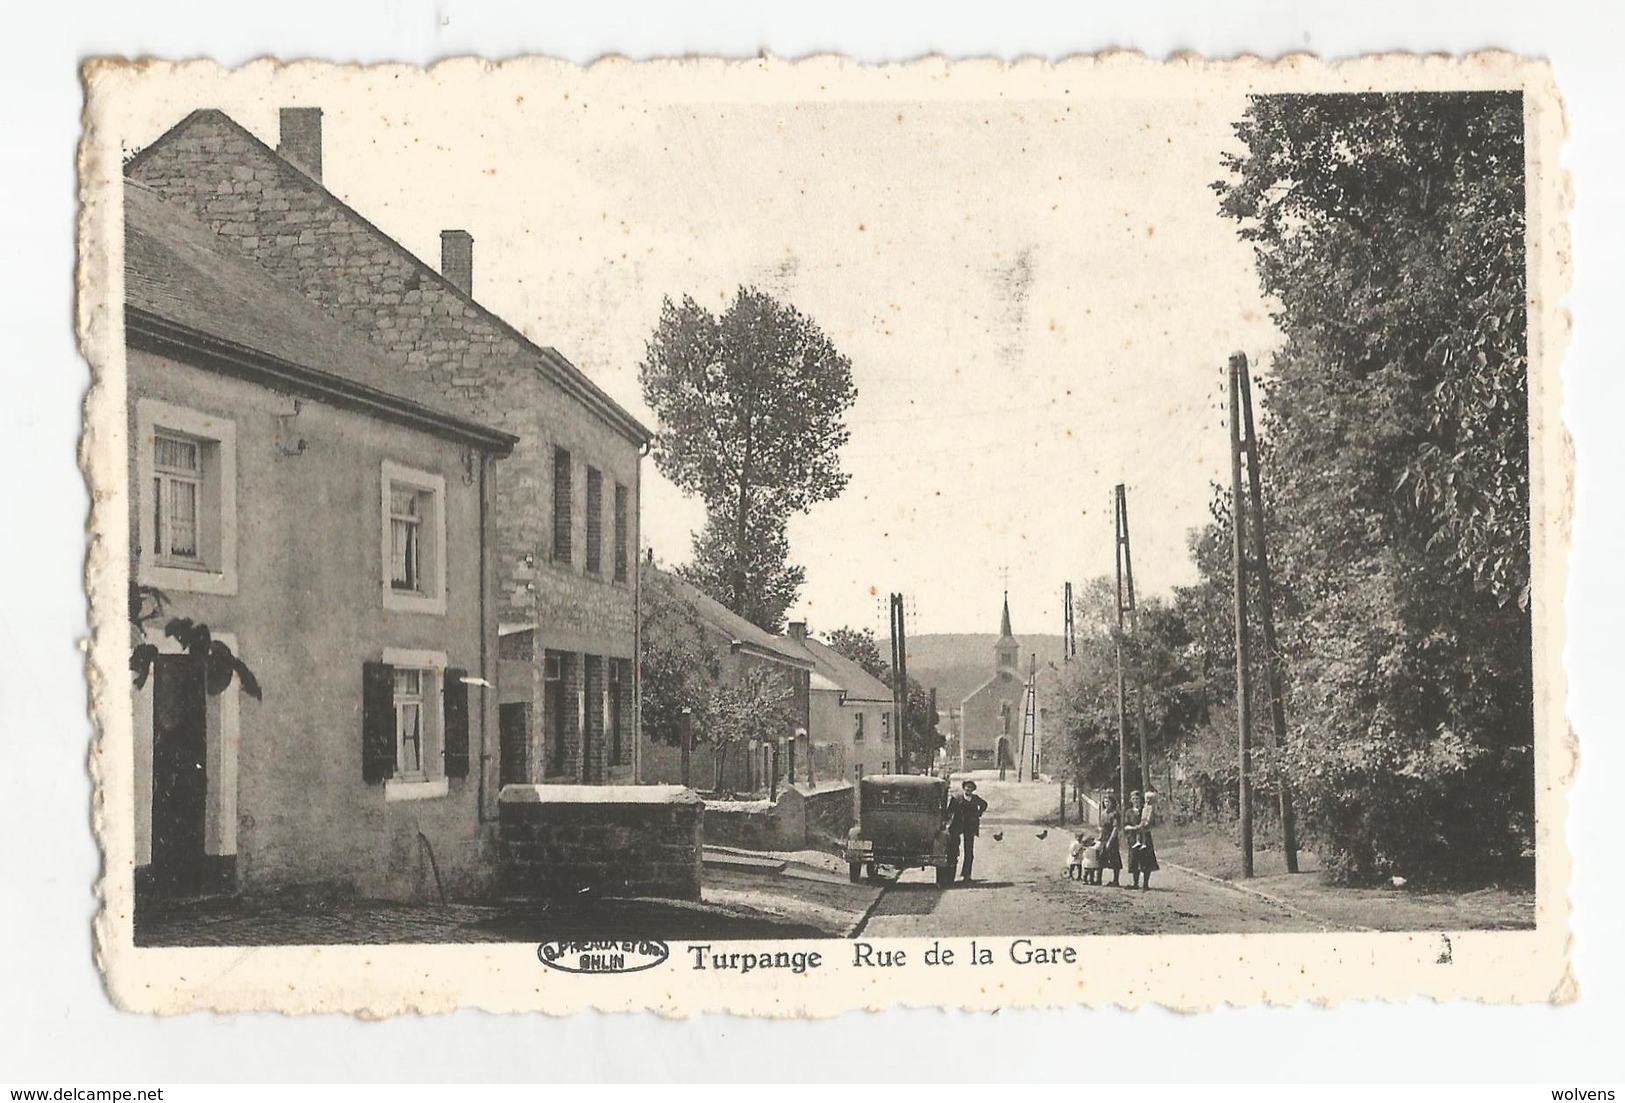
<point x="790" y="537"/>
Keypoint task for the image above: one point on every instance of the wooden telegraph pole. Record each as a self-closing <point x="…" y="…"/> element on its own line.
<point x="1239" y="562"/>
<point x="1069" y="630"/>
<point x="899" y="669"/>
<point x="1266" y="597"/>
<point x="1122" y="692"/>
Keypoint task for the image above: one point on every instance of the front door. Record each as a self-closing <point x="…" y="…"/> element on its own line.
<point x="180" y="780"/>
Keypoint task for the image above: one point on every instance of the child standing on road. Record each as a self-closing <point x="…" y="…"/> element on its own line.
<point x="1091" y="862"/>
<point x="1074" y="857"/>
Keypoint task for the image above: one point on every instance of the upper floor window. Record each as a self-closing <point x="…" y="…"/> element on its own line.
<point x="414" y="540"/>
<point x="595" y="521"/>
<point x="621" y="533"/>
<point x="563" y="492"/>
<point x="186" y="486"/>
<point x="857" y="729"/>
<point x="177" y="492"/>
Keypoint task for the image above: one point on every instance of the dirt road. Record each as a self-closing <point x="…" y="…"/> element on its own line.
<point x="1021" y="888"/>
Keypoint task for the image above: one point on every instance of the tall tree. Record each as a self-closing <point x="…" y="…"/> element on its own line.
<point x="1389" y="231"/>
<point x="758" y="569"/>
<point x="751" y="406"/>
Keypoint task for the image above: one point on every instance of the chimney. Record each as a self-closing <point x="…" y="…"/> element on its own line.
<point x="798" y="630"/>
<point x="301" y="139"/>
<point x="457" y="259"/>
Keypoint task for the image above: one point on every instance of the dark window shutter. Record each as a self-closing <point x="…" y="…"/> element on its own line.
<point x="455" y="697"/>
<point x="377" y="721"/>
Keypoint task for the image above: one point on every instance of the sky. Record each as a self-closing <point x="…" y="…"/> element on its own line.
<point x="1032" y="283"/>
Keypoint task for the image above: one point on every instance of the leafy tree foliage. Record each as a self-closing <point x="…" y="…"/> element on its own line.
<point x="860" y="647"/>
<point x="751" y="407"/>
<point x="221" y="665"/>
<point x="1389" y="231"/>
<point x="760" y="566"/>
<point x="684" y="669"/>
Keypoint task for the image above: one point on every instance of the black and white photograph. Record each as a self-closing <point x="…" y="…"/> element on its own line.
<point x="698" y="521"/>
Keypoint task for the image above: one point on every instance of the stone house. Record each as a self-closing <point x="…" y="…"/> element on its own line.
<point x="328" y="520"/>
<point x="743" y="646"/>
<point x="565" y="506"/>
<point x="850" y="726"/>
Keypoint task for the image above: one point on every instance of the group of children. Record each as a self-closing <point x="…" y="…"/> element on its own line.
<point x="1084" y="857"/>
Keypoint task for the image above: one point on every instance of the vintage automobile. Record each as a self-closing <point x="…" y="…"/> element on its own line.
<point x="900" y="824"/>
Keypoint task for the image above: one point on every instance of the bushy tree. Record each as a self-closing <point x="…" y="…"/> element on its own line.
<point x="751" y="406"/>
<point x="860" y="647"/>
<point x="760" y="567"/>
<point x="683" y="670"/>
<point x="1389" y="231"/>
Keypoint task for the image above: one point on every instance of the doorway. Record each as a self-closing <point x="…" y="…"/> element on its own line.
<point x="180" y="778"/>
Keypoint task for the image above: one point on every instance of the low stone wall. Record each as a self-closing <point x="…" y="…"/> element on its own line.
<point x="816" y="819"/>
<point x="612" y="840"/>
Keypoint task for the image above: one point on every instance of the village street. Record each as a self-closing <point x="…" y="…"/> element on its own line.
<point x="1019" y="887"/>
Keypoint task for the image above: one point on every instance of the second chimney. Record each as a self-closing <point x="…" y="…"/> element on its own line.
<point x="798" y="630"/>
<point x="301" y="139"/>
<point x="457" y="259"/>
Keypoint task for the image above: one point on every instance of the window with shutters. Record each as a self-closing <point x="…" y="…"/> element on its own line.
<point x="186" y="493"/>
<point x="857" y="729"/>
<point x="414" y="724"/>
<point x="413" y="540"/>
<point x="622" y="531"/>
<point x="563" y="494"/>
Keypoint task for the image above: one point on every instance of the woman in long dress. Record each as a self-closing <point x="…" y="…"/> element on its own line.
<point x="1111" y="837"/>
<point x="1142" y="852"/>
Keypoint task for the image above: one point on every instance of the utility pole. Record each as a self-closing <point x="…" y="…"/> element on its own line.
<point x="1128" y="610"/>
<point x="1028" y="762"/>
<point x="899" y="669"/>
<point x="1069" y="630"/>
<point x="1266" y="597"/>
<point x="1239" y="561"/>
<point x="1120" y="515"/>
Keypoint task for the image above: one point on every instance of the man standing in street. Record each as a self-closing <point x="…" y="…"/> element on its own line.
<point x="965" y="810"/>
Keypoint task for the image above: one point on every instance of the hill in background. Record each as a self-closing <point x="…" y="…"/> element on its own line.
<point x="956" y="663"/>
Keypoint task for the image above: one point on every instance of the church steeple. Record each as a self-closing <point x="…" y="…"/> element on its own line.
<point x="1007" y="652"/>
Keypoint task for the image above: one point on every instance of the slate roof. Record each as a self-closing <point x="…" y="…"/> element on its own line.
<point x="544" y="358"/>
<point x="736" y="627"/>
<point x="178" y="271"/>
<point x="846" y="675"/>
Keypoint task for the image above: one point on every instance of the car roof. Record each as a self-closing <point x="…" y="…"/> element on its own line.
<point x="919" y="781"/>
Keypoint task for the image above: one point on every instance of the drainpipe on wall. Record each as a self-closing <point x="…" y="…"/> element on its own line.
<point x="487" y="692"/>
<point x="637" y="619"/>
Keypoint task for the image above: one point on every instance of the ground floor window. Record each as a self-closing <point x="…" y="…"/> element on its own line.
<point x="409" y="692"/>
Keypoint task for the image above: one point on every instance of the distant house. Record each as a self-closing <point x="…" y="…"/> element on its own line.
<point x="851" y="710"/>
<point x="565" y="508"/>
<point x="742" y="646"/>
<point x="327" y="518"/>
